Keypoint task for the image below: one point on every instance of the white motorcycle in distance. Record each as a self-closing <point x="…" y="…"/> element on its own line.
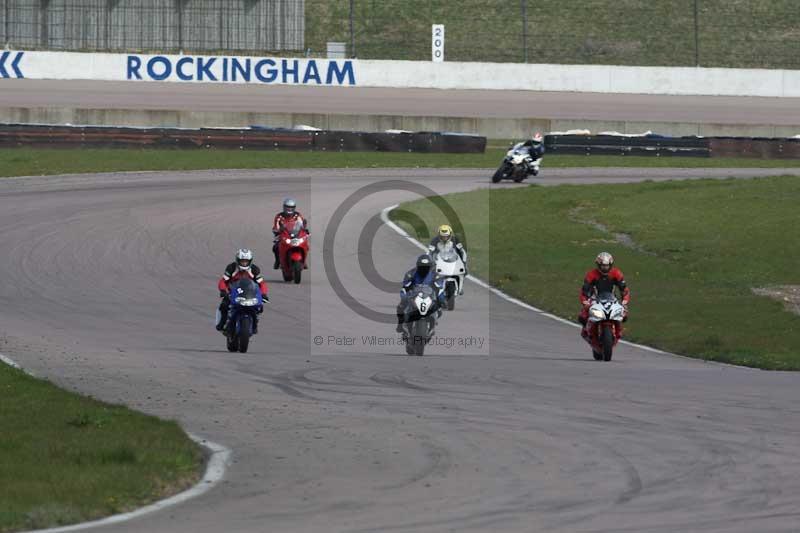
<point x="517" y="165"/>
<point x="450" y="269"/>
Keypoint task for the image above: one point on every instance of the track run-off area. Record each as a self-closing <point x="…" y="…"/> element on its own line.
<point x="506" y="425"/>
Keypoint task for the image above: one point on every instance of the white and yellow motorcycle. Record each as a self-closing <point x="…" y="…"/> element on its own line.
<point x="451" y="271"/>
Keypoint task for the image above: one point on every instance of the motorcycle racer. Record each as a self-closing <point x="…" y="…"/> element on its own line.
<point x="422" y="274"/>
<point x="600" y="280"/>
<point x="444" y="238"/>
<point x="243" y="266"/>
<point x="288" y="217"/>
<point x="535" y="146"/>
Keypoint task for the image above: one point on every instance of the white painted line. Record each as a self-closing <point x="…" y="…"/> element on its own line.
<point x="218" y="459"/>
<point x="385" y="217"/>
<point x="9" y="361"/>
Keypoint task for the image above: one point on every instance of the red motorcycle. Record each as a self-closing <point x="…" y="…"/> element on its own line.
<point x="293" y="251"/>
<point x="606" y="315"/>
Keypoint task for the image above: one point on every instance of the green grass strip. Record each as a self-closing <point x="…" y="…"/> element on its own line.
<point x="66" y="458"/>
<point x="694" y="252"/>
<point x="38" y="162"/>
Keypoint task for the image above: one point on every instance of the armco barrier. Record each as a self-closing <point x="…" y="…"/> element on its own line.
<point x="662" y="146"/>
<point x="255" y="138"/>
<point x="648" y="145"/>
<point x="754" y="147"/>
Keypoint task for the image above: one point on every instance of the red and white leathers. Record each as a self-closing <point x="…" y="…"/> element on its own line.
<point x="596" y="282"/>
<point x="232" y="273"/>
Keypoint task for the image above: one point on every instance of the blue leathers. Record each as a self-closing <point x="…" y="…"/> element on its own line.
<point x="423" y="274"/>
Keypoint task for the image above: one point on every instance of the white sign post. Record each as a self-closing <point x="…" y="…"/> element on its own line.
<point x="437" y="43"/>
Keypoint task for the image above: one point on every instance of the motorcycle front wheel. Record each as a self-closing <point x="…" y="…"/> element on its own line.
<point x="450" y="293"/>
<point x="500" y="173"/>
<point x="297" y="271"/>
<point x="419" y="337"/>
<point x="607" y="340"/>
<point x="244" y="334"/>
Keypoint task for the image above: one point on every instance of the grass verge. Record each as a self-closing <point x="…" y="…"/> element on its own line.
<point x="38" y="162"/>
<point x="66" y="458"/>
<point x="692" y="252"/>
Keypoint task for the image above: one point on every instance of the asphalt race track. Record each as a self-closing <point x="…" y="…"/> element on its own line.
<point x="109" y="289"/>
<point x="415" y="102"/>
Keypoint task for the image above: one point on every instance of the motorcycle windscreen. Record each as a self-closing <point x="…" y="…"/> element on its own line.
<point x="295" y="230"/>
<point x="448" y="255"/>
<point x="245" y="288"/>
<point x="426" y="290"/>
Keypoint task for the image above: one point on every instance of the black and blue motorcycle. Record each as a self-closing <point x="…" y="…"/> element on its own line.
<point x="245" y="304"/>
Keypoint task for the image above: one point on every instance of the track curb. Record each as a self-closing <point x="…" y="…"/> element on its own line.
<point x="219" y="457"/>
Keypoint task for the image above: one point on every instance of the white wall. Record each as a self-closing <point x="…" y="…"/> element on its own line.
<point x="422" y="74"/>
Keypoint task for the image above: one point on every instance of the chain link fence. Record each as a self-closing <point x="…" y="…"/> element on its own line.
<point x="154" y="25"/>
<point x="710" y="33"/>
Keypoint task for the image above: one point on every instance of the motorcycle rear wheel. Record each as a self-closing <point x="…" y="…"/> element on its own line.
<point x="232" y="343"/>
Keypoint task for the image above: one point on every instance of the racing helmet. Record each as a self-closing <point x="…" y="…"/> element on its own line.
<point x="604" y="262"/>
<point x="289" y="206"/>
<point x="445" y="232"/>
<point x="537" y="138"/>
<point x="424" y="264"/>
<point x="244" y="259"/>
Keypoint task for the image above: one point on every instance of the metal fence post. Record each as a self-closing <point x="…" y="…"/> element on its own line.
<point x="44" y="33"/>
<point x="221" y="24"/>
<point x="352" y="30"/>
<point x="107" y="29"/>
<point x="696" y="37"/>
<point x="524" y="31"/>
<point x="179" y="16"/>
<point x="7" y="36"/>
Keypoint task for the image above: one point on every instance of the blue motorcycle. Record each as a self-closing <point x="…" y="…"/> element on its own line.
<point x="245" y="304"/>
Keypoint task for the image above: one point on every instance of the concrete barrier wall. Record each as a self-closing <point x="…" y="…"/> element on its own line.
<point x="492" y="128"/>
<point x="411" y="74"/>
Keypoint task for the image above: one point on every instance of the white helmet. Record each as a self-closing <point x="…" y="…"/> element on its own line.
<point x="604" y="262"/>
<point x="289" y="206"/>
<point x="537" y="138"/>
<point x="244" y="259"/>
